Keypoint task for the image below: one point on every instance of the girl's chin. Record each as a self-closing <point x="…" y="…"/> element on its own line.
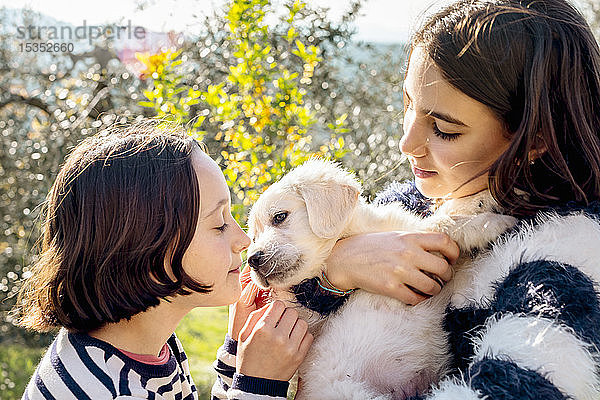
<point x="236" y="292"/>
<point x="446" y="193"/>
<point x="231" y="296"/>
<point x="437" y="195"/>
<point x="429" y="191"/>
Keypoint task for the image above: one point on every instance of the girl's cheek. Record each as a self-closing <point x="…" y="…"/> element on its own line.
<point x="438" y="156"/>
<point x="451" y="157"/>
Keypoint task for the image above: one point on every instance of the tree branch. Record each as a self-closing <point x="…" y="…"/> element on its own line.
<point x="32" y="101"/>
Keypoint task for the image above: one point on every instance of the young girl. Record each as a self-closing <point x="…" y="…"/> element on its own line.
<point x="138" y="232"/>
<point x="502" y="95"/>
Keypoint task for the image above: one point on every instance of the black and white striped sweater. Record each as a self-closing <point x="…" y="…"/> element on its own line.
<point x="231" y="385"/>
<point x="529" y="325"/>
<point x="78" y="366"/>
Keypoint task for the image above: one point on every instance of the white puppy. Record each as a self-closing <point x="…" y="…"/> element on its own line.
<point x="371" y="347"/>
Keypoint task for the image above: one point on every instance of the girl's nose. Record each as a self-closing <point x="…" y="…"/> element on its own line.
<point x="243" y="241"/>
<point x="414" y="142"/>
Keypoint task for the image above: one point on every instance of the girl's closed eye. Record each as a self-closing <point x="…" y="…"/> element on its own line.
<point x="444" y="135"/>
<point x="223" y="227"/>
<point x="225" y="216"/>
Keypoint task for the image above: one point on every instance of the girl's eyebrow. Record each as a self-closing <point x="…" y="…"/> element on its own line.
<point x="439" y="115"/>
<point x="220" y="204"/>
<point x="446" y="117"/>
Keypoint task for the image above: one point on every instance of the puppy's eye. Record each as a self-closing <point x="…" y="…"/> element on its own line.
<point x="279" y="217"/>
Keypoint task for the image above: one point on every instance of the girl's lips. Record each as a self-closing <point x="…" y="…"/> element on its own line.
<point x="421" y="173"/>
<point x="236" y="269"/>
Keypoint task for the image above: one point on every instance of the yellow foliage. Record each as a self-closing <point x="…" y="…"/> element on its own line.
<point x="263" y="121"/>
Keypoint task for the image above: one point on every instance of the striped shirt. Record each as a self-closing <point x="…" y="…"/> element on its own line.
<point x="78" y="366"/>
<point x="231" y="385"/>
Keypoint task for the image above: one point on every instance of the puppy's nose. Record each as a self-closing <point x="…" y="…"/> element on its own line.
<point x="256" y="259"/>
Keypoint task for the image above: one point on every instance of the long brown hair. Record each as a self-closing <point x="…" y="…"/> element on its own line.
<point x="536" y="64"/>
<point x="118" y="220"/>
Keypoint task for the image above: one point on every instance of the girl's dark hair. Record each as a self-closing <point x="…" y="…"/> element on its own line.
<point x="536" y="64"/>
<point x="123" y="208"/>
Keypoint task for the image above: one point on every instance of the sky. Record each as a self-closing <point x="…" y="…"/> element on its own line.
<point x="380" y="20"/>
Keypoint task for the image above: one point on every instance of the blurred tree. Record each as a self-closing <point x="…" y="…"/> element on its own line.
<point x="49" y="102"/>
<point x="257" y="113"/>
<point x="591" y="9"/>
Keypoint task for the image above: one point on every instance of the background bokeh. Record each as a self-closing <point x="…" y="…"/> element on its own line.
<point x="265" y="85"/>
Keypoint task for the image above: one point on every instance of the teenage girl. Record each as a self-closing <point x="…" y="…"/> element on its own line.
<point x="501" y="95"/>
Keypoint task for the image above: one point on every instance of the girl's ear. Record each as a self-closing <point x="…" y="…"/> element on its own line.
<point x="329" y="207"/>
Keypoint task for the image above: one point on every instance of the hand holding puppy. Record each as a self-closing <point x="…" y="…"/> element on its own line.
<point x="273" y="343"/>
<point x="252" y="298"/>
<point x="240" y="311"/>
<point x="393" y="264"/>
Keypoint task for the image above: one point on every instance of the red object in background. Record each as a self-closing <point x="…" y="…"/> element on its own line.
<point x="262" y="296"/>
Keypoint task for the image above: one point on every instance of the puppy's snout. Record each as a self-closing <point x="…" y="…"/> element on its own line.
<point x="256" y="259"/>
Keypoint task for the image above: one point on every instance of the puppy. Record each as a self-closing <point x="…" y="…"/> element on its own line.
<point x="366" y="346"/>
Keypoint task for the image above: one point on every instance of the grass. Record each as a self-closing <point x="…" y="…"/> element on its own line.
<point x="17" y="364"/>
<point x="202" y="332"/>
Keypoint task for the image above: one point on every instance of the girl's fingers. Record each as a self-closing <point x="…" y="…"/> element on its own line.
<point x="305" y="344"/>
<point x="238" y="314"/>
<point x="249" y="294"/>
<point x="410" y="296"/>
<point x="423" y="284"/>
<point x="434" y="241"/>
<point x="273" y="313"/>
<point x="401" y="292"/>
<point x="254" y="317"/>
<point x="288" y="320"/>
<point x="435" y="265"/>
<point x="298" y="331"/>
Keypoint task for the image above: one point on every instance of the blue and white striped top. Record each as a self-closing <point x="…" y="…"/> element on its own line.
<point x="78" y="366"/>
<point x="232" y="385"/>
<point x="528" y="326"/>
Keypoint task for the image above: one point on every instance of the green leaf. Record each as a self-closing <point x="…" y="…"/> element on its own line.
<point x="301" y="47"/>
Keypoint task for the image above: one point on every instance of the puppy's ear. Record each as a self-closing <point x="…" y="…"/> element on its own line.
<point x="329" y="207"/>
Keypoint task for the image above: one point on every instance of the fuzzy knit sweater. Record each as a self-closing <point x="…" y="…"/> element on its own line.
<point x="529" y="325"/>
